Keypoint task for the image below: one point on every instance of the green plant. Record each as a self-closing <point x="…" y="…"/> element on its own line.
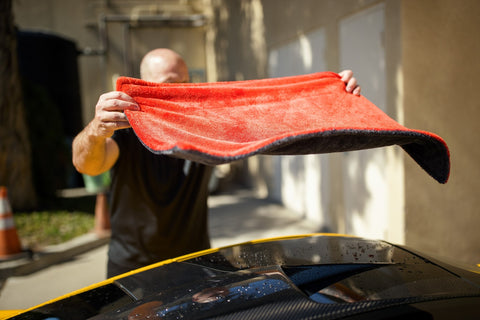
<point x="39" y="229"/>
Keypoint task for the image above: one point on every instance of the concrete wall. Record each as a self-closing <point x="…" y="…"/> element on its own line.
<point x="440" y="68"/>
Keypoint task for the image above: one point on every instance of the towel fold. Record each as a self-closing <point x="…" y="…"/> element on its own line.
<point x="215" y="123"/>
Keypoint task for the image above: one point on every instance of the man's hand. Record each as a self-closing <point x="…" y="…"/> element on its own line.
<point x="109" y="113"/>
<point x="350" y="82"/>
<point x="93" y="149"/>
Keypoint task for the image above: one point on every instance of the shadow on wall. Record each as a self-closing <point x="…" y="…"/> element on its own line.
<point x="246" y="57"/>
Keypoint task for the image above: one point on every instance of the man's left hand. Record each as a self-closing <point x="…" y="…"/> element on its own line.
<point x="350" y="82"/>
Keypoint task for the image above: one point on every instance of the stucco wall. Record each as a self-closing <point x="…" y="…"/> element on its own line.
<point x="440" y="69"/>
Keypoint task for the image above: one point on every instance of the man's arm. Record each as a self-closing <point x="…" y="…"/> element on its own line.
<point x="94" y="151"/>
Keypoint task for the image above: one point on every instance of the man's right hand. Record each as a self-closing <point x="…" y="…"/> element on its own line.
<point x="93" y="149"/>
<point x="109" y="113"/>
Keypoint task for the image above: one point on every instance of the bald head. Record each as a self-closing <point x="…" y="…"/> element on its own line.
<point x="164" y="65"/>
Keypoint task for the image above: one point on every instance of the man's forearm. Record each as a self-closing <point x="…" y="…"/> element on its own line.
<point x="90" y="153"/>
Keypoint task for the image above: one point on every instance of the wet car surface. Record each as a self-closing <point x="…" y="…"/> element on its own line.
<point x="304" y="277"/>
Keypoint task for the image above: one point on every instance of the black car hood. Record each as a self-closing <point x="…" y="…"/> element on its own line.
<point x="319" y="277"/>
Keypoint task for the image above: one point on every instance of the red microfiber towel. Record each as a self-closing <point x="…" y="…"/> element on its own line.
<point x="215" y="123"/>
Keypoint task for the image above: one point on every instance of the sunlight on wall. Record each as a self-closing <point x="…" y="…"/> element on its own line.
<point x="305" y="54"/>
<point x="257" y="34"/>
<point x="305" y="187"/>
<point x="367" y="207"/>
<point x="373" y="179"/>
<point x="303" y="179"/>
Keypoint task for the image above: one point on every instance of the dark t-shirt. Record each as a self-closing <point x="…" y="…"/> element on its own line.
<point x="158" y="205"/>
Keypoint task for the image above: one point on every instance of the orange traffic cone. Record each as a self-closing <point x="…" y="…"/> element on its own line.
<point x="9" y="241"/>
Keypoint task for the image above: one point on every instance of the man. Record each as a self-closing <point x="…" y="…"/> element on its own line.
<point x="158" y="203"/>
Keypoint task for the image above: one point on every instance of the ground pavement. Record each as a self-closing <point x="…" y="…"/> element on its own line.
<point x="236" y="216"/>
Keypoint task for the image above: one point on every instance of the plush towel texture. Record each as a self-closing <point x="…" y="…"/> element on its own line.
<point x="215" y="123"/>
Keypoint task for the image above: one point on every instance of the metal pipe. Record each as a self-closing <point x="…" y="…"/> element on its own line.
<point x="194" y="20"/>
<point x="127" y="61"/>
